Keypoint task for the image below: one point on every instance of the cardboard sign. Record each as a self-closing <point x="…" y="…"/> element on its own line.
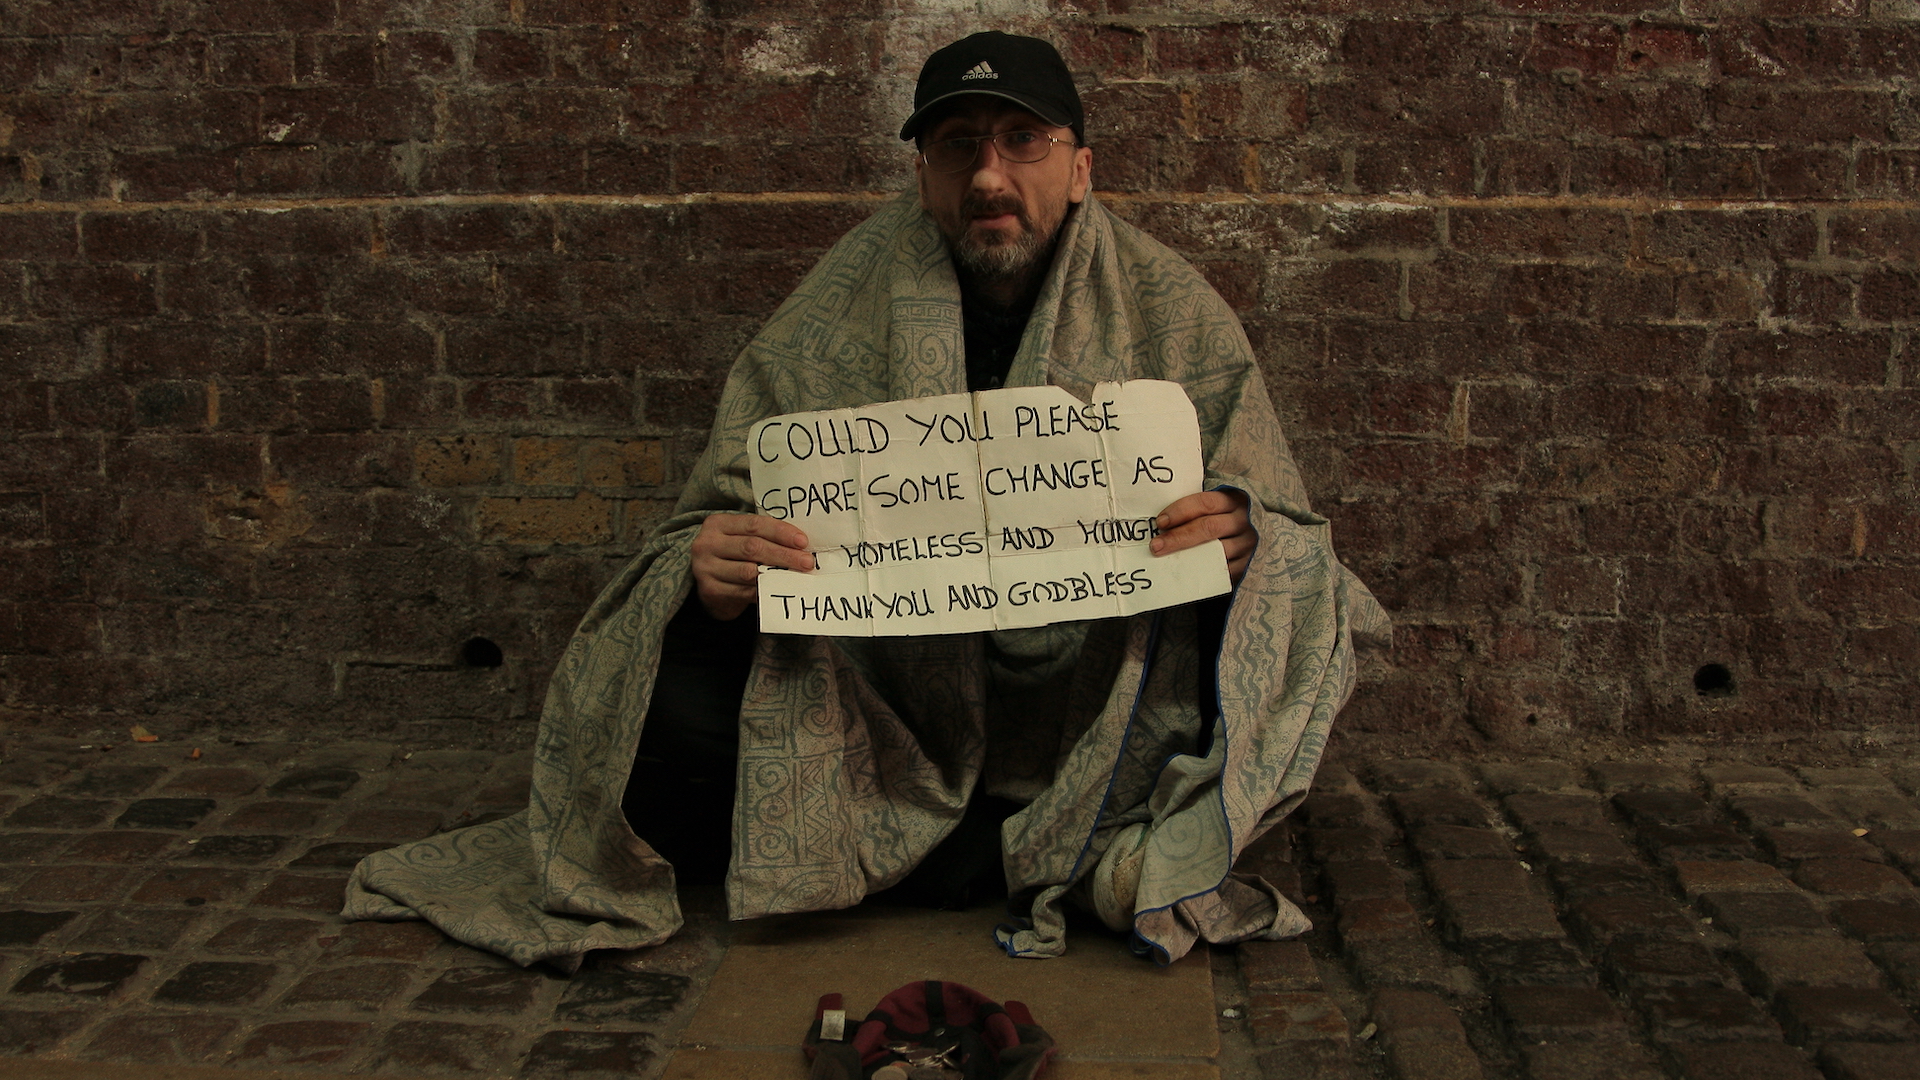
<point x="984" y="511"/>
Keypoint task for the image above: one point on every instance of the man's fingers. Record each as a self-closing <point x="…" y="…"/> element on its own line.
<point x="1197" y="505"/>
<point x="728" y="554"/>
<point x="1194" y="533"/>
<point x="755" y="551"/>
<point x="772" y="530"/>
<point x="1208" y="515"/>
<point x="734" y="572"/>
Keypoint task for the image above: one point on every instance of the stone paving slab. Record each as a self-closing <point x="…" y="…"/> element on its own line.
<point x="1633" y="914"/>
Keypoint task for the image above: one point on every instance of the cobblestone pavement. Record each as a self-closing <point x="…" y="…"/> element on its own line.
<point x="1548" y="920"/>
<point x="1610" y="920"/>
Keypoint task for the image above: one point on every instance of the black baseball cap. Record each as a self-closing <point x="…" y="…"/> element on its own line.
<point x="1026" y="71"/>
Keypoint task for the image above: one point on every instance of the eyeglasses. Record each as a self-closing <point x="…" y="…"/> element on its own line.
<point x="958" y="155"/>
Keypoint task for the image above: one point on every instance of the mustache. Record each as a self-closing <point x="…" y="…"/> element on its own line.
<point x="974" y="206"/>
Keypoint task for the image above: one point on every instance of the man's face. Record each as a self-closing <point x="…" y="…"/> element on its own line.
<point x="1000" y="217"/>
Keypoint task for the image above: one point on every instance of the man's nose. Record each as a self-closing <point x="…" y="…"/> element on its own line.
<point x="989" y="168"/>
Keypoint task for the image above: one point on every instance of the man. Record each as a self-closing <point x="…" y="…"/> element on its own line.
<point x="1133" y="758"/>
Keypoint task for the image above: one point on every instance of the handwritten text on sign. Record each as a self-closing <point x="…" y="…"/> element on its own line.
<point x="984" y="511"/>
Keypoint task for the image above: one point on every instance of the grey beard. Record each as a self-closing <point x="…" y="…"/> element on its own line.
<point x="1002" y="261"/>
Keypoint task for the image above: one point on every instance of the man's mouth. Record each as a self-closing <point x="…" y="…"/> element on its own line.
<point x="997" y="216"/>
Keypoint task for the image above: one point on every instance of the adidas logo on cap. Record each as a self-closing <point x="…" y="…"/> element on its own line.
<point x="981" y="70"/>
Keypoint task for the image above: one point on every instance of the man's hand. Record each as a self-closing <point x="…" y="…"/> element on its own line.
<point x="1208" y="515"/>
<point x="728" y="554"/>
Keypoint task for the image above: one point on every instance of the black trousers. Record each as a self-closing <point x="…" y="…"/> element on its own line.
<point x="681" y="794"/>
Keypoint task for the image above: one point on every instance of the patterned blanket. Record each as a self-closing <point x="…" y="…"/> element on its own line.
<point x="858" y="756"/>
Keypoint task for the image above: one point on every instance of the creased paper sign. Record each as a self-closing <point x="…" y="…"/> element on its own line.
<point x="983" y="511"/>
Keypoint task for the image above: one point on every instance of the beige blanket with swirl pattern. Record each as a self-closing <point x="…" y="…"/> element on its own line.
<point x="858" y="756"/>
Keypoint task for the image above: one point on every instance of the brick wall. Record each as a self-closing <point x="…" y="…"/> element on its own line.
<point x="341" y="338"/>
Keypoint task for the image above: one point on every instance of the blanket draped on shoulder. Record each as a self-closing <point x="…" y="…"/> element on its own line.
<point x="857" y="756"/>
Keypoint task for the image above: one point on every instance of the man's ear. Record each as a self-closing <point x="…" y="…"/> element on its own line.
<point x="1082" y="174"/>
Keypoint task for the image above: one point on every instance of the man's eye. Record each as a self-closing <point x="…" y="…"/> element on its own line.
<point x="966" y="144"/>
<point x="1021" y="138"/>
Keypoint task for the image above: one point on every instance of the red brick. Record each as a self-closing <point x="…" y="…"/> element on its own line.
<point x="1536" y="1014"/>
<point x="1805" y="174"/>
<point x="250" y="60"/>
<point x="1889" y="296"/>
<point x="1832" y="1013"/>
<point x="1417" y="47"/>
<point x="627" y="169"/>
<point x="1773" y="962"/>
<point x="357" y="460"/>
<point x="120" y="846"/>
<point x="263" y="937"/>
<point x="1278" y="966"/>
<point x="1687" y="1014"/>
<point x="192" y="119"/>
<point x="1116" y="51"/>
<point x="1888" y="173"/>
<point x="1681" y="51"/>
<point x="476" y="229"/>
<point x="303" y="1042"/>
<point x="114" y="291"/>
<point x="1603" y="919"/>
<point x="1639" y="963"/>
<point x="171" y="1038"/>
<point x="1744" y="1061"/>
<point x="346" y="114"/>
<point x="303" y="891"/>
<point x="1854" y="878"/>
<point x="186" y="461"/>
<point x="1616" y="170"/>
<point x="1767" y="113"/>
<point x="1747" y="914"/>
<point x="1812" y="298"/>
<point x="69" y="884"/>
<point x="509" y="56"/>
<point x="338" y="347"/>
<point x="1423" y="1036"/>
<point x="562" y="12"/>
<point x="394" y="824"/>
<point x="276" y="817"/>
<point x="1625" y="109"/>
<point x="140" y="237"/>
<point x="43" y="236"/>
<point x="410" y="941"/>
<point x="538" y="114"/>
<point x="1212" y="49"/>
<point x="1710" y="237"/>
<point x="1833" y="842"/>
<point x="1871" y="1061"/>
<point x="1442" y="166"/>
<point x="1439" y="806"/>
<point x="1539" y="233"/>
<point x="191" y="886"/>
<point x="186" y="349"/>
<point x="416" y="1045"/>
<point x="361" y="988"/>
<point x="338" y="59"/>
<point x="1713" y="172"/>
<point x="1588" y="48"/>
<point x="1591" y="1061"/>
<point x="420" y="53"/>
<point x="1378" y="920"/>
<point x="1295" y="1016"/>
<point x="1863" y="589"/>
